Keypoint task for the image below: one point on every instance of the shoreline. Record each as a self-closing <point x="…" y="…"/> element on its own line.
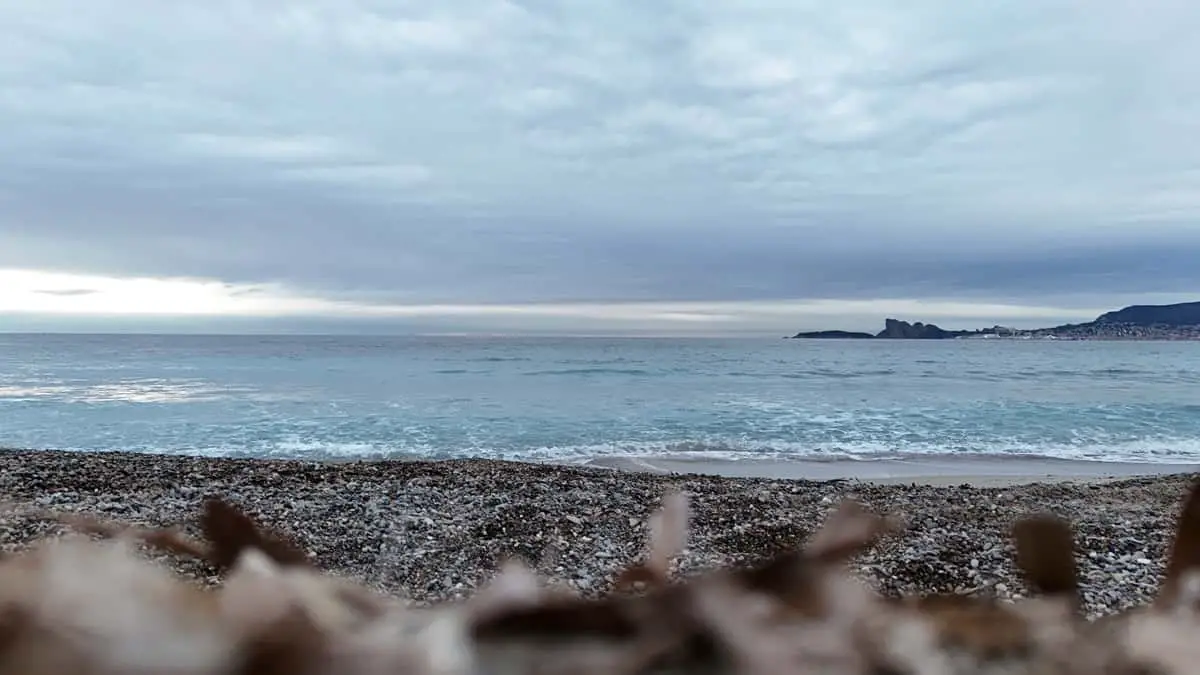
<point x="976" y="471"/>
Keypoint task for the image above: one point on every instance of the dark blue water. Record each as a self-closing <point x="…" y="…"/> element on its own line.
<point x="578" y="399"/>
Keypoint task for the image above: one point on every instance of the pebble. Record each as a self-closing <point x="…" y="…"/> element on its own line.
<point x="433" y="531"/>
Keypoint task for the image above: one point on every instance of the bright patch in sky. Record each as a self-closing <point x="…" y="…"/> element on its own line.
<point x="65" y="294"/>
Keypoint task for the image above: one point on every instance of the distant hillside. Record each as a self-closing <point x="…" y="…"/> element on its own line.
<point x="1182" y="314"/>
<point x="1179" y="321"/>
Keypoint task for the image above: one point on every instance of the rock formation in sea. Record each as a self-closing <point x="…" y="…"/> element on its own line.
<point x="1180" y="321"/>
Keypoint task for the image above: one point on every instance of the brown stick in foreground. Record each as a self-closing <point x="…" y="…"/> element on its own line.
<point x="231" y="532"/>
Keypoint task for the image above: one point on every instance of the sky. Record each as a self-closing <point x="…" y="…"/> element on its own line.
<point x="663" y="167"/>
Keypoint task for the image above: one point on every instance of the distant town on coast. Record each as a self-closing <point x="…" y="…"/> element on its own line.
<point x="1180" y="321"/>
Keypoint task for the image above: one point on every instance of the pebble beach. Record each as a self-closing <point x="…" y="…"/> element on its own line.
<point x="433" y="531"/>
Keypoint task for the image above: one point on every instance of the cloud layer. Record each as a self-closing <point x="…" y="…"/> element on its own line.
<point x="533" y="151"/>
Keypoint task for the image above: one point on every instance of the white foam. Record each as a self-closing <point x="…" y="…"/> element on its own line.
<point x="1147" y="451"/>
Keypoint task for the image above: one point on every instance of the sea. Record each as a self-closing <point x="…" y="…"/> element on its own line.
<point x="579" y="400"/>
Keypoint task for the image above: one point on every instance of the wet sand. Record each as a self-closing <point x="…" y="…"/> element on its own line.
<point x="977" y="472"/>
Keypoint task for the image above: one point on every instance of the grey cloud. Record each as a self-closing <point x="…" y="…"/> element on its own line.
<point x="535" y="151"/>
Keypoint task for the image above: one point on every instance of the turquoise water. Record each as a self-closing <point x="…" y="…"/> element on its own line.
<point x="581" y="399"/>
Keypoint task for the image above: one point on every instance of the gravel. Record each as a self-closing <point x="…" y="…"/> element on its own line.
<point x="432" y="531"/>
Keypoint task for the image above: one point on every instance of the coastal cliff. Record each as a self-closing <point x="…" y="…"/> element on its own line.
<point x="1180" y="321"/>
<point x="903" y="330"/>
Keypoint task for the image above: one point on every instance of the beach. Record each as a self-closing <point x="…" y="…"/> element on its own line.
<point x="432" y="531"/>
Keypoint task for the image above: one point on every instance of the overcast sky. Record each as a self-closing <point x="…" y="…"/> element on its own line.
<point x="629" y="165"/>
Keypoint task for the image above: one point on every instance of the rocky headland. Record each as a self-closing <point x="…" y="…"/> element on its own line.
<point x="1179" y="321"/>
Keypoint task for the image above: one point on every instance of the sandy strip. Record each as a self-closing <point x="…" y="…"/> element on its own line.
<point x="978" y="472"/>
